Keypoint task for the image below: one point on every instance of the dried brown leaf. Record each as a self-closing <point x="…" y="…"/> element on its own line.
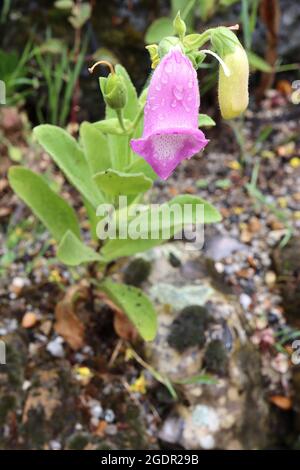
<point x="68" y="324"/>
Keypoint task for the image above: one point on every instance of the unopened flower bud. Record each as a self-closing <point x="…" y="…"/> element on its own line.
<point x="114" y="91"/>
<point x="233" y="88"/>
<point x="179" y="26"/>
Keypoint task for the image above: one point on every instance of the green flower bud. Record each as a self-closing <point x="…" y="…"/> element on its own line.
<point x="114" y="91"/>
<point x="233" y="89"/>
<point x="166" y="44"/>
<point x="179" y="26"/>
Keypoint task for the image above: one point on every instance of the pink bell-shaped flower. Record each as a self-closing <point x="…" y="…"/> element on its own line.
<point x="171" y="131"/>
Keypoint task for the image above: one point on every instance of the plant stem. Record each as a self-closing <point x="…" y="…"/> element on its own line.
<point x="204" y="37"/>
<point x="137" y="118"/>
<point x="76" y="91"/>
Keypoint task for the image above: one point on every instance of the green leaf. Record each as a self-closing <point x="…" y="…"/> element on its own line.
<point x="198" y="379"/>
<point x="64" y="4"/>
<point x="116" y="183"/>
<point x="187" y="9"/>
<point x="207" y="9"/>
<point x="202" y="183"/>
<point x="115" y="248"/>
<point x="258" y="63"/>
<point x="69" y="157"/>
<point x="96" y="148"/>
<point x="15" y="153"/>
<point x="195" y="40"/>
<point x="93" y="219"/>
<point x="119" y="144"/>
<point x="159" y="29"/>
<point x="205" y="121"/>
<point x="223" y="183"/>
<point x="111" y="126"/>
<point x="139" y="165"/>
<point x="73" y="252"/>
<point x="136" y="305"/>
<point x="81" y="13"/>
<point x="132" y="106"/>
<point x="49" y="207"/>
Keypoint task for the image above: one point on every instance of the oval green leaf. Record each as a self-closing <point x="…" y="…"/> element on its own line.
<point x="136" y="305"/>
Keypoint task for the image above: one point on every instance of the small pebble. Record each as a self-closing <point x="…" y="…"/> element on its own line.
<point x="272" y="318"/>
<point x="280" y="363"/>
<point x="29" y="320"/>
<point x="111" y="430"/>
<point x="270" y="278"/>
<point x="17" y="285"/>
<point x="219" y="268"/>
<point x="96" y="411"/>
<point x="46" y="327"/>
<point x="207" y="442"/>
<point x="26" y="385"/>
<point x="109" y="416"/>
<point x="245" y="301"/>
<point x="55" y="347"/>
<point x="55" y="445"/>
<point x="261" y="323"/>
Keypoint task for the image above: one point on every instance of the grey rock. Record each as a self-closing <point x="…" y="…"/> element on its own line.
<point x="221" y="246"/>
<point x="229" y="414"/>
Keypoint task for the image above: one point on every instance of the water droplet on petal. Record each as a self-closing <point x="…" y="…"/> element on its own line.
<point x="164" y="79"/>
<point x="169" y="67"/>
<point x="178" y="92"/>
<point x="186" y="107"/>
<point x="174" y="104"/>
<point x="190" y="84"/>
<point x="189" y="98"/>
<point x="158" y="87"/>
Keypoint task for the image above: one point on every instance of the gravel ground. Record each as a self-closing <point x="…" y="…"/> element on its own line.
<point x="98" y="397"/>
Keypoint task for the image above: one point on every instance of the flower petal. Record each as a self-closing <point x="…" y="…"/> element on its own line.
<point x="171" y="131"/>
<point x="165" y="150"/>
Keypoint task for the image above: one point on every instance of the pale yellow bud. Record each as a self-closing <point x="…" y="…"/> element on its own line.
<point x="233" y="89"/>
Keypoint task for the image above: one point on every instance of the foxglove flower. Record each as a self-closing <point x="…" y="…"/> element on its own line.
<point x="171" y="131"/>
<point x="233" y="89"/>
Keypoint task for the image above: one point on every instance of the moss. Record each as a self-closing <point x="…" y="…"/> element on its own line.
<point x="287" y="266"/>
<point x="15" y="357"/>
<point x="188" y="328"/>
<point x="174" y="261"/>
<point x="137" y="272"/>
<point x="34" y="429"/>
<point x="7" y="403"/>
<point x="78" y="441"/>
<point x="215" y="358"/>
